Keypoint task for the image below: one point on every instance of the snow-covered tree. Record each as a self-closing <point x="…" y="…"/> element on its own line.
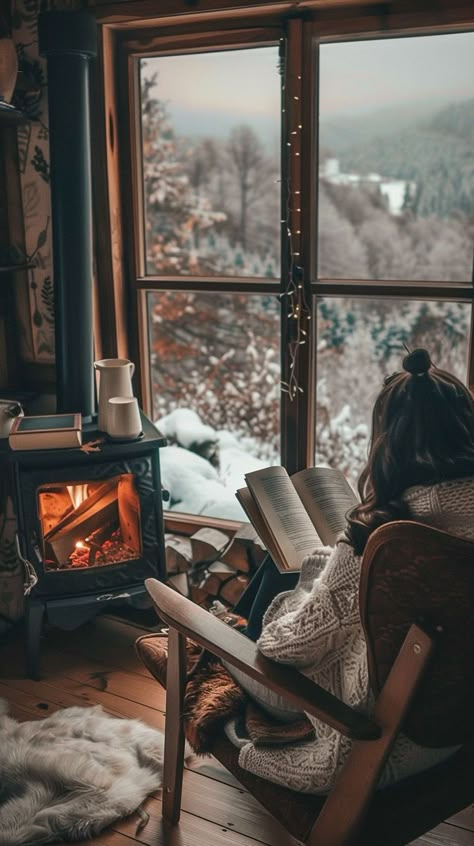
<point x="253" y="172"/>
<point x="176" y="211"/>
<point x="219" y="355"/>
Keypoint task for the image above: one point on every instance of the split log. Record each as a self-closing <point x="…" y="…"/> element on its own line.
<point x="180" y="583"/>
<point x="207" y="545"/>
<point x="199" y="594"/>
<point x="245" y="552"/>
<point x="212" y="585"/>
<point x="221" y="570"/>
<point x="93" y="497"/>
<point x="178" y="554"/>
<point x="54" y="504"/>
<point x="99" y="508"/>
<point x="232" y="590"/>
<point x="129" y="513"/>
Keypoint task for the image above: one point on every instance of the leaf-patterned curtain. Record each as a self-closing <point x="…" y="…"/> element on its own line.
<point x="32" y="243"/>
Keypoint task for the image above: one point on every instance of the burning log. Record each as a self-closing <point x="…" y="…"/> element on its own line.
<point x="90" y="554"/>
<point x="129" y="513"/>
<point x="98" y="508"/>
<point x="54" y="504"/>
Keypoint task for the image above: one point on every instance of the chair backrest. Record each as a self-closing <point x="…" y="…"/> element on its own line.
<point x="412" y="573"/>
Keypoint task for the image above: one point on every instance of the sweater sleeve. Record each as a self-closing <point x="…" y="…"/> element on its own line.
<point x="302" y="626"/>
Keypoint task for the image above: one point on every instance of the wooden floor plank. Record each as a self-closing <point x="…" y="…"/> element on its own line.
<point x="230" y="807"/>
<point x="111" y="838"/>
<point x="106" y="640"/>
<point x="45" y="697"/>
<point x="17" y="712"/>
<point x="89" y="695"/>
<point x="195" y="830"/>
<point x="446" y="835"/>
<point x="212" y="768"/>
<point x="40" y="698"/>
<point x="464" y="819"/>
<point x="102" y="676"/>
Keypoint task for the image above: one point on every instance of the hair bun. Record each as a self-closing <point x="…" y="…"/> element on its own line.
<point x="417" y="362"/>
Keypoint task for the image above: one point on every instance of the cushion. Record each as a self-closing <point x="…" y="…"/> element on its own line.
<point x="415" y="573"/>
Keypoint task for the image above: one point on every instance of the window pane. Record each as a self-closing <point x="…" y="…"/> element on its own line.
<point x="215" y="371"/>
<point x="211" y="163"/>
<point x="396" y="159"/>
<point x="360" y="342"/>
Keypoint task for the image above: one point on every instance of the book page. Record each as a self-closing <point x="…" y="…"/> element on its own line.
<point x="290" y="529"/>
<point x="327" y="497"/>
<point x="247" y="502"/>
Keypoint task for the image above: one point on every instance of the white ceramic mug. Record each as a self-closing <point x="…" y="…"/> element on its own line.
<point x="115" y="380"/>
<point x="123" y="419"/>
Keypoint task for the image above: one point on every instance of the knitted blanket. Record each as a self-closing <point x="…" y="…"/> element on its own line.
<point x="212" y="698"/>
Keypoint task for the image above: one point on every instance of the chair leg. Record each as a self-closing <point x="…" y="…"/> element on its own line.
<point x="174" y="730"/>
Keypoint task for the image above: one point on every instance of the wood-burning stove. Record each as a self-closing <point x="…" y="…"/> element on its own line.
<point x="90" y="528"/>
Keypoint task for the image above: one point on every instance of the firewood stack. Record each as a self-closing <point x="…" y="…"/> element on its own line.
<point x="212" y="564"/>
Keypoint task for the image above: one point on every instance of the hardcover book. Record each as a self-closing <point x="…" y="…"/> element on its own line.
<point x="294" y="515"/>
<point x="46" y="431"/>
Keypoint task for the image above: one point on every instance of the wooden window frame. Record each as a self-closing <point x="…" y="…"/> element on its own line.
<point x="122" y="282"/>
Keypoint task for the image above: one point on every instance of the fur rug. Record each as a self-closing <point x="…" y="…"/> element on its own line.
<point x="71" y="775"/>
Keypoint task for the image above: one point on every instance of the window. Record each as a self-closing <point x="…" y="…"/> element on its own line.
<point x="395" y="159"/>
<point x="210" y="125"/>
<point x="303" y="207"/>
<point x="215" y="370"/>
<point x="209" y="159"/>
<point x="396" y="202"/>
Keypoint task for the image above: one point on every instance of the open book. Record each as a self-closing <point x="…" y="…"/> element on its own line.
<point x="294" y="515"/>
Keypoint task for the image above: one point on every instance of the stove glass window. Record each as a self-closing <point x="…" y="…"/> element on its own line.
<point x="89" y="524"/>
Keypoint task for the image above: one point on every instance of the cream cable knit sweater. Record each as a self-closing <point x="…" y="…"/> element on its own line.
<point x="316" y="627"/>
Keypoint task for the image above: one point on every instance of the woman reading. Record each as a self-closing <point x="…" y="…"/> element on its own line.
<point x="420" y="467"/>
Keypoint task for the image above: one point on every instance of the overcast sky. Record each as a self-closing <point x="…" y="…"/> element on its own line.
<point x="208" y="93"/>
<point x="362" y="76"/>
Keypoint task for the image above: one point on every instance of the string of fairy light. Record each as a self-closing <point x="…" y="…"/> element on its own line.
<point x="299" y="313"/>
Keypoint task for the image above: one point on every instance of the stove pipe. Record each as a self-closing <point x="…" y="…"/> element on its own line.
<point x="68" y="41"/>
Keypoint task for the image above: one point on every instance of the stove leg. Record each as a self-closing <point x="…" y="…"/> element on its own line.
<point x="34" y="621"/>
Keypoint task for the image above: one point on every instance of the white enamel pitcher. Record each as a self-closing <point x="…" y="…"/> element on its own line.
<point x="115" y="380"/>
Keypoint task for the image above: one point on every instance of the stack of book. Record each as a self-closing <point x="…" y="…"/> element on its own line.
<point x="46" y="431"/>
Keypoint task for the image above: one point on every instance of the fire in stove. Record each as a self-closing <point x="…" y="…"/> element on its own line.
<point x="90" y="524"/>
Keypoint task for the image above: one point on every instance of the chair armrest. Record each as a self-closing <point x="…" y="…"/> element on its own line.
<point x="221" y="640"/>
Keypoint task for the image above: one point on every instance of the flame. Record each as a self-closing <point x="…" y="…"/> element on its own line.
<point x="78" y="494"/>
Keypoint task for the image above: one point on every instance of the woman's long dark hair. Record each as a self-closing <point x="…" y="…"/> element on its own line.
<point x="422" y="433"/>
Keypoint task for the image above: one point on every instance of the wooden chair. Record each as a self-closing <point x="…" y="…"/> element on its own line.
<point x="416" y="604"/>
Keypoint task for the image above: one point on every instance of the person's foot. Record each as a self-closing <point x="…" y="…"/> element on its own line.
<point x="235" y="621"/>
